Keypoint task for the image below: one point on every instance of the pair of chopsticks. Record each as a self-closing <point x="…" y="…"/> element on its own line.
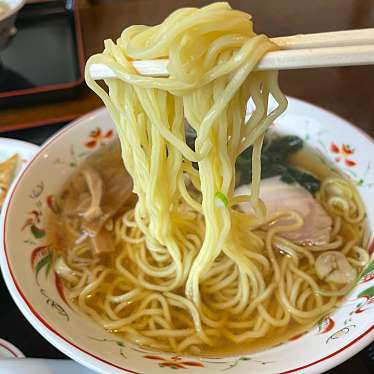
<point x="338" y="48"/>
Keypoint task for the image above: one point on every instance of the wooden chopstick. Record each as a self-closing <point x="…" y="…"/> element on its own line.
<point x="343" y="38"/>
<point x="317" y="58"/>
<point x="340" y="48"/>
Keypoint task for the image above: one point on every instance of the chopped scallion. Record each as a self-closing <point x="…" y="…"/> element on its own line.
<point x="220" y="200"/>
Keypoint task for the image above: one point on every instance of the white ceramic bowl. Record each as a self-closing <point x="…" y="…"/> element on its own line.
<point x="8" y="19"/>
<point x="25" y="259"/>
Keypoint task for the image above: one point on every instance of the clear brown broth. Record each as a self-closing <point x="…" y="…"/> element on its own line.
<point x="306" y="159"/>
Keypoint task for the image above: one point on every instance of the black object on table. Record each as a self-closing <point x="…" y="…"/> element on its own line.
<point x="16" y="329"/>
<point x="44" y="60"/>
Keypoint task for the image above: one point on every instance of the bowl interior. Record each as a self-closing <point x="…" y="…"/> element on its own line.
<point x="27" y="268"/>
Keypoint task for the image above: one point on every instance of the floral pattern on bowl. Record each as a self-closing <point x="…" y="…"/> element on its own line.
<point x="26" y="260"/>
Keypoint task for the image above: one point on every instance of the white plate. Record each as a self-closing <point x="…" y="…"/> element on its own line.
<point x="26" y="151"/>
<point x="8" y="147"/>
<point x="8" y="350"/>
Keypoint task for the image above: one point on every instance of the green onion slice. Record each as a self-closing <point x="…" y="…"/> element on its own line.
<point x="220" y="200"/>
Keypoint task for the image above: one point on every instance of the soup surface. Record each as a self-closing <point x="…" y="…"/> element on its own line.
<point x="108" y="268"/>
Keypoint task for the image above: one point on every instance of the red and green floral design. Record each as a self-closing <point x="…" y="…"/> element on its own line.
<point x="343" y="154"/>
<point x="175" y="362"/>
<point x="326" y="325"/>
<point x="53" y="204"/>
<point x="33" y="222"/>
<point x="367" y="301"/>
<point x="41" y="258"/>
<point x="295" y="337"/>
<point x="98" y="137"/>
<point x="368" y="274"/>
<point x="119" y="343"/>
<point x="371" y="248"/>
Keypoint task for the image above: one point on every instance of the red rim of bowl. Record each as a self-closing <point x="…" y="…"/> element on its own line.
<point x="44" y="324"/>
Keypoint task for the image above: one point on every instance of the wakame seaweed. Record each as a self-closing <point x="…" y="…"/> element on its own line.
<point x="274" y="162"/>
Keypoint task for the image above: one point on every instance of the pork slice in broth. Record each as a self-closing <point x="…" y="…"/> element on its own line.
<point x="97" y="193"/>
<point x="102" y="242"/>
<point x="95" y="188"/>
<point x="278" y="195"/>
<point x="117" y="190"/>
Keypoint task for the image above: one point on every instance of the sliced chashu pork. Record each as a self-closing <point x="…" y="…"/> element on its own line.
<point x="114" y="191"/>
<point x="95" y="195"/>
<point x="278" y="195"/>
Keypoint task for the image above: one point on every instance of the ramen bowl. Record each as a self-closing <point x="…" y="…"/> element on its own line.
<point x="26" y="259"/>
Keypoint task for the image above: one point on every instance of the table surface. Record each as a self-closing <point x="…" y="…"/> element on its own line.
<point x="346" y="91"/>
